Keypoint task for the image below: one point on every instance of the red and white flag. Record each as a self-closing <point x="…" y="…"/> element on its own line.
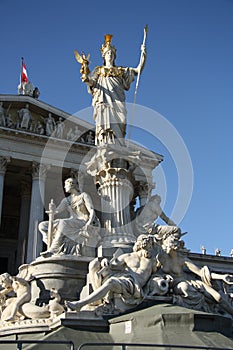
<point x="24" y="76"/>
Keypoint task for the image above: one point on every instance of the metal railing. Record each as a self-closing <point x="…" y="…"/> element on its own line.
<point x="124" y="346"/>
<point x="19" y="343"/>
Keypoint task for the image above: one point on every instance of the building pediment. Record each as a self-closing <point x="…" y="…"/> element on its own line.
<point x="25" y="114"/>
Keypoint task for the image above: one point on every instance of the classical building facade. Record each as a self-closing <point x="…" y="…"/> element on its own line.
<point x="40" y="146"/>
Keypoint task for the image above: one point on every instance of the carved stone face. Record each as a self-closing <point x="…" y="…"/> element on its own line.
<point x="109" y="57"/>
<point x="171" y="243"/>
<point x="70" y="184"/>
<point x="145" y="242"/>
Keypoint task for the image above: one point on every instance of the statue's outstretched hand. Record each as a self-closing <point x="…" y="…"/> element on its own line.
<point x="85" y="78"/>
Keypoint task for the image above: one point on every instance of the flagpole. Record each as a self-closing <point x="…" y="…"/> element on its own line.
<point x="137" y="83"/>
<point x="21" y="71"/>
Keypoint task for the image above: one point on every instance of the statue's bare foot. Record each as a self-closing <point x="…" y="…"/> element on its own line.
<point x="73" y="305"/>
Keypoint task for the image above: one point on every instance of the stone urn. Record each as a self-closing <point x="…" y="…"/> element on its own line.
<point x="66" y="273"/>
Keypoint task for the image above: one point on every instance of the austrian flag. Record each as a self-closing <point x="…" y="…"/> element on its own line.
<point x="24" y="76"/>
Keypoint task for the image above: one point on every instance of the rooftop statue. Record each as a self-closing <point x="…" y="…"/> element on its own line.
<point x="107" y="84"/>
<point x="25" y="118"/>
<point x="66" y="235"/>
<point x="50" y="125"/>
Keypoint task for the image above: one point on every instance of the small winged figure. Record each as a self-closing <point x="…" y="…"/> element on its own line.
<point x="84" y="61"/>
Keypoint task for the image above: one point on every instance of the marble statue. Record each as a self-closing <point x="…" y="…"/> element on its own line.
<point x="50" y="125"/>
<point x="68" y="234"/>
<point x="15" y="300"/>
<point x="25" y="118"/>
<point x="39" y="129"/>
<point x="147" y="215"/>
<point x="54" y="306"/>
<point x="6" y="285"/>
<point x="188" y="290"/>
<point x="23" y="295"/>
<point x="26" y="88"/>
<point x="60" y="128"/>
<point x="90" y="138"/>
<point x="125" y="276"/>
<point x="107" y="84"/>
<point x="73" y="134"/>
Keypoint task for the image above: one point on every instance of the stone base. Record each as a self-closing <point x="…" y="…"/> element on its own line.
<point x="65" y="273"/>
<point x="160" y="324"/>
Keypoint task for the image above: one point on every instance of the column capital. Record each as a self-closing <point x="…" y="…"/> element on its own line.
<point x="3" y="164"/>
<point x="39" y="170"/>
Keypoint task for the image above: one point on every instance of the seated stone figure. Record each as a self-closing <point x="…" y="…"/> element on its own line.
<point x="201" y="293"/>
<point x="125" y="276"/>
<point x="68" y="234"/>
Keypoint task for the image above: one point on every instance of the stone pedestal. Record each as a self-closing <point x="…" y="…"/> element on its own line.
<point x="65" y="273"/>
<point x="112" y="168"/>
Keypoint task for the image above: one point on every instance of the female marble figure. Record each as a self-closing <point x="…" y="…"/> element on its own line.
<point x="107" y="84"/>
<point x="50" y="125"/>
<point x="25" y="118"/>
<point x="75" y="228"/>
<point x="200" y="294"/>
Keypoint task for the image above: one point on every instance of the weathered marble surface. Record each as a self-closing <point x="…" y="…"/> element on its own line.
<point x="67" y="235"/>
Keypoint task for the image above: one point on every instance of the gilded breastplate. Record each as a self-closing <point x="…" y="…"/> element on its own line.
<point x="109" y="72"/>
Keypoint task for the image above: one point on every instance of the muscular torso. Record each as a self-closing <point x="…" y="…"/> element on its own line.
<point x="139" y="266"/>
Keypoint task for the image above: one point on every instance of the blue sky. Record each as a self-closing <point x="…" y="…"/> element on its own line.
<point x="188" y="80"/>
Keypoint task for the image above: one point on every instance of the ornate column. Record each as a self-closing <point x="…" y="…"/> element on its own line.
<point x="112" y="168"/>
<point x="3" y="166"/>
<point x="34" y="246"/>
<point x="116" y="190"/>
<point x="23" y="223"/>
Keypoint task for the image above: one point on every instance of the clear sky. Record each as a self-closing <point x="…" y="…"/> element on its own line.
<point x="187" y="85"/>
